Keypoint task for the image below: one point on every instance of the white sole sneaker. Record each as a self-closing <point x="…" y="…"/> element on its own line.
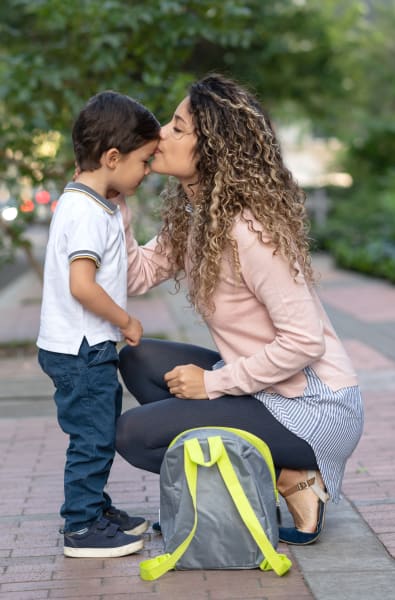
<point x="139" y="530"/>
<point x="103" y="552"/>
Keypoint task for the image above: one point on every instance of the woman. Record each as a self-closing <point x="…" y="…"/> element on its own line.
<point x="234" y="224"/>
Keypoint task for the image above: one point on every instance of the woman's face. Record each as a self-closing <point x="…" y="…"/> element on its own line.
<point x="175" y="152"/>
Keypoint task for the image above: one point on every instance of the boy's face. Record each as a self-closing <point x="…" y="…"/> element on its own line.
<point x="131" y="169"/>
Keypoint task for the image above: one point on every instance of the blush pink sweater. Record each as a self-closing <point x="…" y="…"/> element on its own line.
<point x="267" y="326"/>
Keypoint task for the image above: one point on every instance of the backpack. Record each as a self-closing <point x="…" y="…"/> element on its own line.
<point x="218" y="504"/>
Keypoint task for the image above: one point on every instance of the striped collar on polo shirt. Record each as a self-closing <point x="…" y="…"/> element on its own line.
<point x="81" y="188"/>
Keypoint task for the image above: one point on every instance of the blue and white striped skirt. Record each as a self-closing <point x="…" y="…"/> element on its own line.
<point x="330" y="422"/>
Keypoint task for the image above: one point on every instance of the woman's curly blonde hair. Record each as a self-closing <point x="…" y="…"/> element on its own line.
<point x="239" y="167"/>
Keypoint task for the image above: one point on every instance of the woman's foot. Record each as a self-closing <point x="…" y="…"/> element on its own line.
<point x="307" y="508"/>
<point x="156" y="527"/>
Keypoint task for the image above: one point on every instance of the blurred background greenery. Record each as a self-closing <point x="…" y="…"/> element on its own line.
<point x="323" y="69"/>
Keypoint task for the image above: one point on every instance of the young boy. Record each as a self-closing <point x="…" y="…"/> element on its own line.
<point x="83" y="315"/>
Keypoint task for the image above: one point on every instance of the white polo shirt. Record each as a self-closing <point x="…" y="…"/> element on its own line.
<point x="84" y="225"/>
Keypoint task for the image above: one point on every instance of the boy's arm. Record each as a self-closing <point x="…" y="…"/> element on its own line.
<point x="92" y="296"/>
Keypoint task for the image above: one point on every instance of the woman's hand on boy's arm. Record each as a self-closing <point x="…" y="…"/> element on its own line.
<point x="186" y="381"/>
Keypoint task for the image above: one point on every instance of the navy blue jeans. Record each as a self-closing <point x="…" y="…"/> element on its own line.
<point x="88" y="397"/>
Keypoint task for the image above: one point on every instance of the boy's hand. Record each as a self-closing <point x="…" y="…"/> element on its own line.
<point x="132" y="332"/>
<point x="186" y="381"/>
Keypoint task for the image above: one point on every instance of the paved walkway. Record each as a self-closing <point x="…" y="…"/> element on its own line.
<point x="354" y="558"/>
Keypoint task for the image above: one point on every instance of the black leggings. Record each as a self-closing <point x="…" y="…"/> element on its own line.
<point x="144" y="433"/>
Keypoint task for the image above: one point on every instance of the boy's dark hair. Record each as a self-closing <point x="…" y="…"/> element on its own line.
<point x="111" y="120"/>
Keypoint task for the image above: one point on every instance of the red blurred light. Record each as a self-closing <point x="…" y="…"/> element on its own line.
<point x="43" y="197"/>
<point x="53" y="205"/>
<point x="27" y="206"/>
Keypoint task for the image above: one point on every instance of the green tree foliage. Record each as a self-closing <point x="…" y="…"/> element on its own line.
<point x="365" y="52"/>
<point x="56" y="54"/>
<point x="361" y="228"/>
<point x="325" y="59"/>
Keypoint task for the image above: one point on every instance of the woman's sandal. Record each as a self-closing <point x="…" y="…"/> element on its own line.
<point x="156" y="527"/>
<point x="292" y="535"/>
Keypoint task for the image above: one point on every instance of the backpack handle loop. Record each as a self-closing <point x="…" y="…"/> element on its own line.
<point x="195" y="451"/>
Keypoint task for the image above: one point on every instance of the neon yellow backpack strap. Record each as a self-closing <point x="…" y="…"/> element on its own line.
<point x="155" y="567"/>
<point x="279" y="563"/>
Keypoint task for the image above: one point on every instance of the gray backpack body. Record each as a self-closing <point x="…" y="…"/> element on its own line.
<point x="218" y="504"/>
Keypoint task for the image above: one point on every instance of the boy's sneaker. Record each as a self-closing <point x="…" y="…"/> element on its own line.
<point x="128" y="524"/>
<point x="101" y="540"/>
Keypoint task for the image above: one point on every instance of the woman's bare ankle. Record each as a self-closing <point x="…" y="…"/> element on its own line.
<point x="288" y="478"/>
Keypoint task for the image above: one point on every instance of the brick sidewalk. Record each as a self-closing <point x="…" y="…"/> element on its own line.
<point x="363" y="312"/>
<point x="342" y="566"/>
<point x="32" y="563"/>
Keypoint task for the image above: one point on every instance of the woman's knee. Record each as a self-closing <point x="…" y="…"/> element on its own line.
<point x="127" y="361"/>
<point x="134" y="442"/>
<point x="138" y="364"/>
<point x="127" y="437"/>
